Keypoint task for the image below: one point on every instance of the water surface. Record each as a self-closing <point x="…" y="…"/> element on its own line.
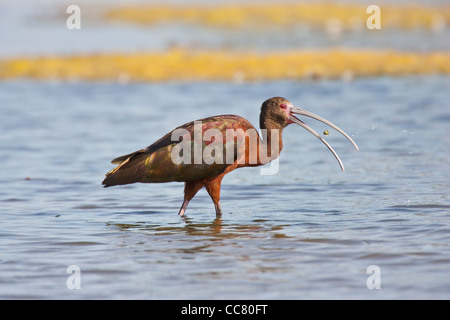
<point x="309" y="231"/>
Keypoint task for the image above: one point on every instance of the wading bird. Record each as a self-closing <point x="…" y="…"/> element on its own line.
<point x="222" y="135"/>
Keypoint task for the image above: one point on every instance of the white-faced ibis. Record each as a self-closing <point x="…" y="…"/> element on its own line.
<point x="156" y="163"/>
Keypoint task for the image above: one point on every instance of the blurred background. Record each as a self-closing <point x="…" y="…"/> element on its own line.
<point x="73" y="99"/>
<point x="255" y="40"/>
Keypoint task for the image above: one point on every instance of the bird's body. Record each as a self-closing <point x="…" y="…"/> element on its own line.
<point x="201" y="152"/>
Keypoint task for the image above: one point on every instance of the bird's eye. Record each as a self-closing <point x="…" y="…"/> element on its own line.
<point x="283" y="106"/>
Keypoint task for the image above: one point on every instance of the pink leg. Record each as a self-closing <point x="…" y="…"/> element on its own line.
<point x="190" y="189"/>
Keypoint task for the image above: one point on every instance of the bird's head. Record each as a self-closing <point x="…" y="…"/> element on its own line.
<point x="277" y="113"/>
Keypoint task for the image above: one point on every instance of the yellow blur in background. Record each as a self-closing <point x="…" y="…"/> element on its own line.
<point x="349" y="16"/>
<point x="179" y="64"/>
<point x="234" y="64"/>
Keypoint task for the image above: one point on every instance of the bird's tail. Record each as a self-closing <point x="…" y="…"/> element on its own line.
<point x="130" y="169"/>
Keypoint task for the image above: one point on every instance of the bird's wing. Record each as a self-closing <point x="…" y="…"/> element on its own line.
<point x="219" y="122"/>
<point x="155" y="163"/>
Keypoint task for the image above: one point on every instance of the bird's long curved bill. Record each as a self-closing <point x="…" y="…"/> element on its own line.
<point x="314" y="116"/>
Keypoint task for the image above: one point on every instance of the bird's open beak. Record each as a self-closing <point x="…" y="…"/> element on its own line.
<point x="314" y="116"/>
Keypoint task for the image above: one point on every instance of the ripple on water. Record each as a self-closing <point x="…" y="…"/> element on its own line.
<point x="308" y="232"/>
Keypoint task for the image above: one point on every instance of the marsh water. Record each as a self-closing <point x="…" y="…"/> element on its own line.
<point x="309" y="231"/>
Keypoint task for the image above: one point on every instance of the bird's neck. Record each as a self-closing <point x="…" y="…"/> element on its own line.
<point x="271" y="142"/>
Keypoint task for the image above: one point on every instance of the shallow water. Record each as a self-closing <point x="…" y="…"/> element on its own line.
<point x="309" y="231"/>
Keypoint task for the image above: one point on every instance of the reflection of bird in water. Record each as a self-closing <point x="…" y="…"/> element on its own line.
<point x="156" y="163"/>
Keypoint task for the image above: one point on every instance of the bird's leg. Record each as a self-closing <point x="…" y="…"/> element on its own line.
<point x="213" y="188"/>
<point x="190" y="189"/>
<point x="218" y="209"/>
<point x="183" y="207"/>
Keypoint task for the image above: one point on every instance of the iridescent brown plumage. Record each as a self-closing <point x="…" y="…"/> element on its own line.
<point x="156" y="162"/>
